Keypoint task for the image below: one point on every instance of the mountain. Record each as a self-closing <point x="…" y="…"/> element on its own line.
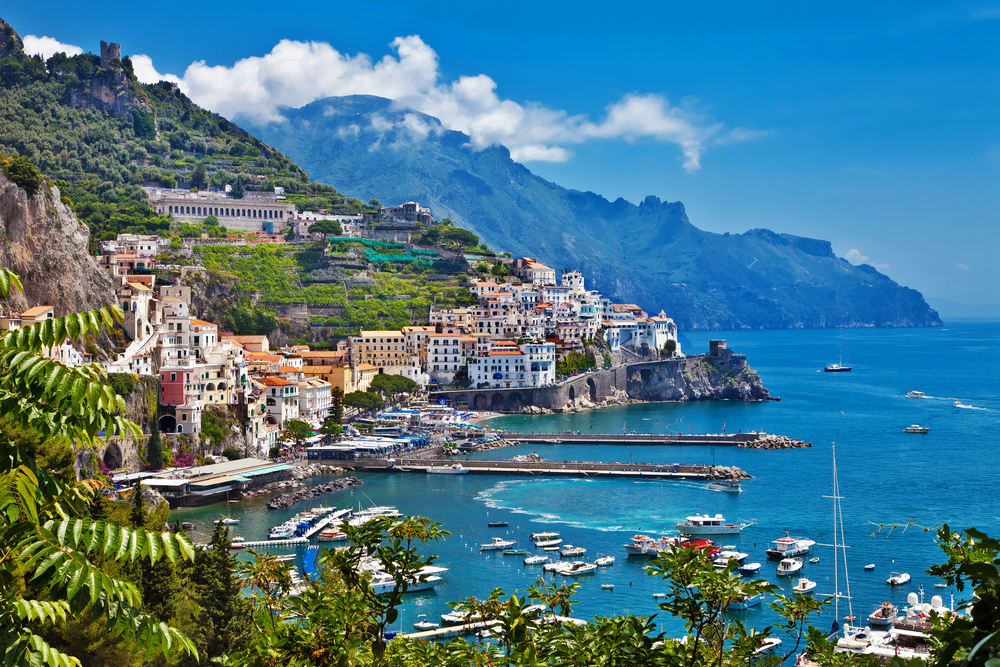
<point x="649" y="254"/>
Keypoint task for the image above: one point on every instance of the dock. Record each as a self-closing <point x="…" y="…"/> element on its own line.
<point x="271" y="543"/>
<point x="471" y="628"/>
<point x="720" y="439"/>
<point x="557" y="469"/>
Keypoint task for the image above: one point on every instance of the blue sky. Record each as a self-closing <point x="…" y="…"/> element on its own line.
<point x="876" y="127"/>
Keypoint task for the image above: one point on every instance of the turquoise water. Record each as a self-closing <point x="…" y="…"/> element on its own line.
<point x="886" y="476"/>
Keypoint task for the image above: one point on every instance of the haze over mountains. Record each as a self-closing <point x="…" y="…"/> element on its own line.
<point x="649" y="254"/>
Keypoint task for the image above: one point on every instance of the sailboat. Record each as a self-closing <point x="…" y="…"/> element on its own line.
<point x="838" y="367"/>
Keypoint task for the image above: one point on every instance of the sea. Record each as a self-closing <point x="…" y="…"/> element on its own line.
<point x="896" y="488"/>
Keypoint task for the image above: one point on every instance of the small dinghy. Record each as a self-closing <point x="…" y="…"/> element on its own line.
<point x="814" y="560"/>
<point x="749" y="569"/>
<point x="804" y="587"/>
<point x="607" y="587"/>
<point x="869" y="567"/>
<point x="898" y="579"/>
<point x="497" y="524"/>
<point x="425" y="625"/>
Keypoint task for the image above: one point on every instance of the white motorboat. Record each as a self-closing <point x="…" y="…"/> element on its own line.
<point x="750" y="569"/>
<point x="331" y="536"/>
<point x="767" y="645"/>
<point x="643" y="545"/>
<point x="725" y="555"/>
<point x="898" y="579"/>
<point x="571" y="551"/>
<point x="916" y="428"/>
<point x="577" y="568"/>
<point x="882" y="615"/>
<point x="710" y="525"/>
<point x="548" y="543"/>
<point x="455" y="469"/>
<point x="726" y="485"/>
<point x="786" y="547"/>
<point x="555" y="548"/>
<point x="543" y="536"/>
<point x="227" y="521"/>
<point x="498" y="544"/>
<point x="607" y="587"/>
<point x="536" y="560"/>
<point x="789" y="566"/>
<point x="915" y="394"/>
<point x="383" y="582"/>
<point x="424" y="625"/>
<point x="605" y="561"/>
<point x="458" y="618"/>
<point x="958" y="404"/>
<point x="804" y="587"/>
<point x="869" y="567"/>
<point x="555" y="566"/>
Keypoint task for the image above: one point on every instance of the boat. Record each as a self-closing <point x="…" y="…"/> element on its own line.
<point x="726" y="485"/>
<point x="643" y="545"/>
<point x="898" y="579"/>
<point x="569" y="551"/>
<point x="749" y="569"/>
<point x="455" y="469"/>
<point x="744" y="602"/>
<point x="915" y="394"/>
<point x="882" y="615"/>
<point x="514" y="552"/>
<point x="786" y="546"/>
<point x="958" y="404"/>
<point x="605" y="561"/>
<point x="727" y="554"/>
<point x="497" y="524"/>
<point x="659" y="595"/>
<point x="548" y="543"/>
<point x="710" y="525"/>
<point x="838" y="367"/>
<point x="814" y="560"/>
<point x="383" y="582"/>
<point x="543" y="536"/>
<point x="804" y="587"/>
<point x="331" y="536"/>
<point x="869" y="567"/>
<point x="188" y="525"/>
<point x="555" y="566"/>
<point x="767" y="645"/>
<point x="577" y="568"/>
<point x="916" y="428"/>
<point x="940" y="585"/>
<point x="236" y="539"/>
<point x="536" y="560"/>
<point x="458" y="618"/>
<point x="497" y="544"/>
<point x="789" y="566"/>
<point x="552" y="548"/>
<point x="424" y="626"/>
<point x="227" y="521"/>
<point x="607" y="587"/>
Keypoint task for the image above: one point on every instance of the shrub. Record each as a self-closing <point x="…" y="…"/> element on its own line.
<point x="232" y="453"/>
<point x="23" y="173"/>
<point x="122" y="383"/>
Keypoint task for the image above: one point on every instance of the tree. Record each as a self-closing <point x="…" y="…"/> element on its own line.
<point x="143" y="123"/>
<point x="374" y="204"/>
<point x="23" y="173"/>
<point x="237" y="190"/>
<point x="198" y="179"/>
<point x="460" y="237"/>
<point x="326" y="228"/>
<point x="363" y="400"/>
<point x="390" y="385"/>
<point x="331" y="429"/>
<point x="168" y="180"/>
<point x="154" y="450"/>
<point x="227" y="613"/>
<point x="296" y="431"/>
<point x="670" y="347"/>
<point x="50" y="539"/>
<point x="337" y="405"/>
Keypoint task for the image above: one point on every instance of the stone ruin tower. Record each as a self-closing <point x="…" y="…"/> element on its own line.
<point x="110" y="52"/>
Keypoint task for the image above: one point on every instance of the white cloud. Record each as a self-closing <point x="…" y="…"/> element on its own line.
<point x="48" y="46"/>
<point x="962" y="267"/>
<point x="854" y="256"/>
<point x="296" y="73"/>
<point x="881" y="267"/>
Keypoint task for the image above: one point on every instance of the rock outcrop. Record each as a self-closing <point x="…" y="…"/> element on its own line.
<point x="47" y="245"/>
<point x="108" y="91"/>
<point x="701" y="379"/>
<point x="288" y="500"/>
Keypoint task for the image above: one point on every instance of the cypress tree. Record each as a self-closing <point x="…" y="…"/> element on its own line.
<point x="154" y="450"/>
<point x="227" y="613"/>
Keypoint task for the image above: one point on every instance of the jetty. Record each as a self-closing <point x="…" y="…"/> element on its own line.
<point x="750" y="440"/>
<point x="478" y="626"/>
<point x="560" y="469"/>
<point x="270" y="543"/>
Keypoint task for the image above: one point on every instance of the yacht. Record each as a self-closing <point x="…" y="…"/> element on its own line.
<point x="383" y="582"/>
<point x="455" y="469"/>
<point x="915" y="394"/>
<point x="536" y="560"/>
<point x="767" y="645"/>
<point x="543" y="536"/>
<point x="331" y="536"/>
<point x="727" y="485"/>
<point x="548" y="543"/>
<point x="605" y="561"/>
<point x="227" y="521"/>
<point x="898" y="579"/>
<point x="710" y="525"/>
<point x="882" y="615"/>
<point x="555" y="566"/>
<point x="804" y="587"/>
<point x="498" y="544"/>
<point x="577" y="568"/>
<point x="643" y="545"/>
<point x="916" y="428"/>
<point x="786" y="546"/>
<point x="837" y="368"/>
<point x="789" y="566"/>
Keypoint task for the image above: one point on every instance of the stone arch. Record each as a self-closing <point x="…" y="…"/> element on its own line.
<point x="270" y="403"/>
<point x="134" y="306"/>
<point x="210" y="386"/>
<point x="480" y="402"/>
<point x="112" y="456"/>
<point x="461" y="401"/>
<point x="170" y="209"/>
<point x="270" y="421"/>
<point x="572" y="393"/>
<point x="497" y="403"/>
<point x="514" y="402"/>
<point x="592" y="386"/>
<point x="221" y="386"/>
<point x="167" y="424"/>
<point x="180" y="428"/>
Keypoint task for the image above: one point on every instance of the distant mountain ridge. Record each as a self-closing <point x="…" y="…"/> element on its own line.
<point x="649" y="254"/>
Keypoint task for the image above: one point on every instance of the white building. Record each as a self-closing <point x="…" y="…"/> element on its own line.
<point x="508" y="365"/>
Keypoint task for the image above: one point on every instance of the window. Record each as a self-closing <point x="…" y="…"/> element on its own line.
<point x="173" y="377"/>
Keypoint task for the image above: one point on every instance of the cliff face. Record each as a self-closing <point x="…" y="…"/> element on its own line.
<point x="107" y="91"/>
<point x="44" y="242"/>
<point x="696" y="379"/>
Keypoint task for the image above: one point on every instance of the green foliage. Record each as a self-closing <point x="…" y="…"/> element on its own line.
<point x="670" y="347"/>
<point x="143" y="124"/>
<point x="575" y="361"/>
<point x="23" y="173"/>
<point x="246" y="320"/>
<point x="390" y="385"/>
<point x="336" y="405"/>
<point x="122" y="383"/>
<point x="215" y="425"/>
<point x="232" y="454"/>
<point x="364" y="401"/>
<point x="154" y="450"/>
<point x="326" y="227"/>
<point x="296" y="431"/>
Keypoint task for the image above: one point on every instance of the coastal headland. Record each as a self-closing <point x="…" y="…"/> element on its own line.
<point x="719" y="375"/>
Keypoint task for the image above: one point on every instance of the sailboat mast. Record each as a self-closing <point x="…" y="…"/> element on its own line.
<point x="836" y="581"/>
<point x="843" y="544"/>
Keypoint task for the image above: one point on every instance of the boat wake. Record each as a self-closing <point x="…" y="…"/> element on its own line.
<point x="972" y="407"/>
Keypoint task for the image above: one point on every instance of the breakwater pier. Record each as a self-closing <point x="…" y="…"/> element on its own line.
<point x="751" y="440"/>
<point x="558" y="469"/>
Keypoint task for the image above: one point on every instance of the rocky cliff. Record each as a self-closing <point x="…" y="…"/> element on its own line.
<point x="695" y="379"/>
<point x="43" y="241"/>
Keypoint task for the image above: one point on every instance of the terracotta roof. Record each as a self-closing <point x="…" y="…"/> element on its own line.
<point x="35" y="311"/>
<point x="301" y="348"/>
<point x="138" y="286"/>
<point x="322" y="354"/>
<point x="203" y="323"/>
<point x="247" y="339"/>
<point x="277" y="382"/>
<point x="172" y="299"/>
<point x="382" y="334"/>
<point x="289" y="369"/>
<point x="260" y="356"/>
<point x="367" y="367"/>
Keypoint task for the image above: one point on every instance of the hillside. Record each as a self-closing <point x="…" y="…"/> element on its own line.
<point x="648" y="254"/>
